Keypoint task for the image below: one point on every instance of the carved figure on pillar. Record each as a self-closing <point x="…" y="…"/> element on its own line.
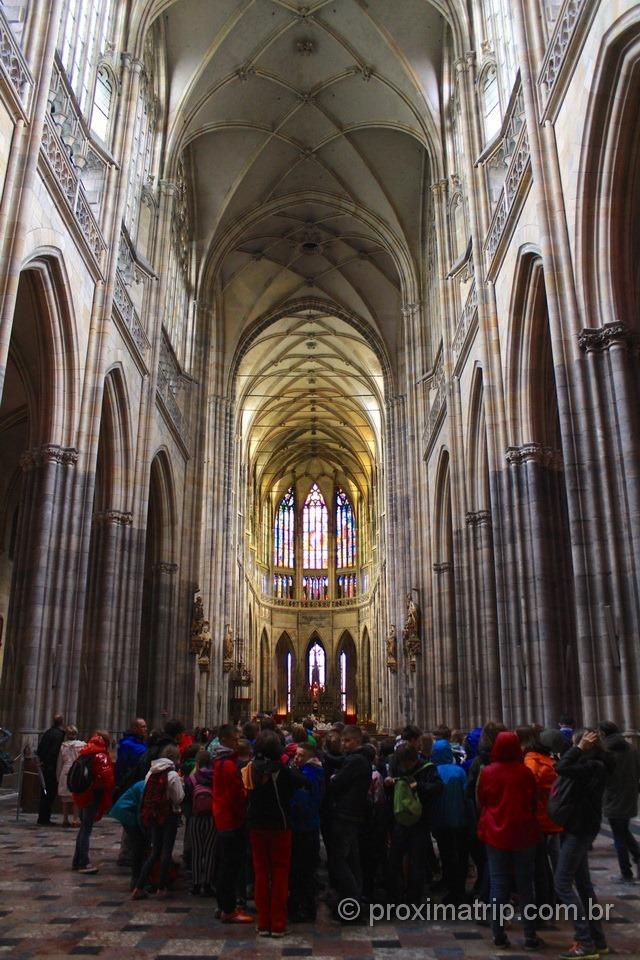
<point x="392" y="648"/>
<point x="227" y="649"/>
<point x="200" y="636"/>
<point x="411" y="632"/>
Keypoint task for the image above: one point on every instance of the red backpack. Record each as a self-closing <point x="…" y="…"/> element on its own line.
<point x="156" y="807"/>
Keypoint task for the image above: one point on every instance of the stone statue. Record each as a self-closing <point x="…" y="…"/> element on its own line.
<point x="392" y="648"/>
<point x="411" y="632"/>
<point x="200" y="636"/>
<point x="227" y="649"/>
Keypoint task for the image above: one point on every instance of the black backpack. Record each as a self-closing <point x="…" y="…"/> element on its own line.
<point x="561" y="804"/>
<point x="80" y="776"/>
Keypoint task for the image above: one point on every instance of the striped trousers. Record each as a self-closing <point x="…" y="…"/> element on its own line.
<point x="203" y="839"/>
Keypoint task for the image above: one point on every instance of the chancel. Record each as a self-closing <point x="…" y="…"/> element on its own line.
<point x="319" y="362"/>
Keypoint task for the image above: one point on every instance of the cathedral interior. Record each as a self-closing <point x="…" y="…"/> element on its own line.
<point x="319" y="382"/>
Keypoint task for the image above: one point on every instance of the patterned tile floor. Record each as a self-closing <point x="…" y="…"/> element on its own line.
<point x="48" y="911"/>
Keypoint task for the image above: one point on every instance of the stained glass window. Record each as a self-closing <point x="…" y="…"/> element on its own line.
<point x="283" y="534"/>
<point x="343" y="681"/>
<point x="289" y="671"/>
<point x="283" y="586"/>
<point x="346" y="585"/>
<point x="315" y="528"/>
<point x="316" y="666"/>
<point x="345" y="532"/>
<point x="315" y="588"/>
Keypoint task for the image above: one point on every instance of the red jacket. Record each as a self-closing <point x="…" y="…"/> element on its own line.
<point x="103" y="778"/>
<point x="507" y="795"/>
<point x="544" y="770"/>
<point x="229" y="796"/>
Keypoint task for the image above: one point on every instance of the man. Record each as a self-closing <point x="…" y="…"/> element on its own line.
<point x="229" y="815"/>
<point x="349" y="792"/>
<point x="588" y="766"/>
<point x="47" y="753"/>
<point x="621" y="799"/>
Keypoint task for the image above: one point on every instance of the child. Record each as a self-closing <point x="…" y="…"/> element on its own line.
<point x="160" y="812"/>
<point x="198" y="791"/>
<point x="305" y="845"/>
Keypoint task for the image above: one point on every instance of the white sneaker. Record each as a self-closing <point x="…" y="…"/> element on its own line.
<point x="88" y="869"/>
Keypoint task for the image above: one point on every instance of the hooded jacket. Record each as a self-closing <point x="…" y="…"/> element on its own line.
<point x="203" y="777"/>
<point x="589" y="770"/>
<point x="305" y="804"/>
<point x="544" y="770"/>
<point x="450" y="809"/>
<point x="507" y="798"/>
<point x="229" y="796"/>
<point x="621" y="791"/>
<point x="349" y="788"/>
<point x="472" y="742"/>
<point x="175" y="790"/>
<point x="271" y="787"/>
<point x="130" y="749"/>
<point x="101" y="789"/>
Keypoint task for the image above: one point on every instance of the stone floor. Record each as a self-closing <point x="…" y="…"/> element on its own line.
<point x="48" y="911"/>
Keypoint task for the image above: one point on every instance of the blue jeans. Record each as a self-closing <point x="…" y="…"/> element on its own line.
<point x="573" y="868"/>
<point x="503" y="865"/>
<point x="87" y="819"/>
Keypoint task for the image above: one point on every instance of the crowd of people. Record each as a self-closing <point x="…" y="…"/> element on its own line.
<point x="487" y="816"/>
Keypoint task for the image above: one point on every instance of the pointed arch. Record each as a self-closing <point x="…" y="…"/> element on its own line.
<point x="285" y="674"/>
<point x="265" y="693"/>
<point x="366" y="676"/>
<point x="315" y="660"/>
<point x="347" y="673"/>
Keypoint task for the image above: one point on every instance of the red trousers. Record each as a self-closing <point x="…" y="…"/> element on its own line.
<point x="271" y="851"/>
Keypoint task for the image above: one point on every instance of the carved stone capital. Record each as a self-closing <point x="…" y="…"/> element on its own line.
<point x="594" y="339"/>
<point x="48" y="453"/>
<point x="478" y="518"/>
<point x="439" y="187"/>
<point x="123" y="518"/>
<point x="166" y="568"/>
<point x="445" y="567"/>
<point x="534" y="453"/>
<point x="409" y="310"/>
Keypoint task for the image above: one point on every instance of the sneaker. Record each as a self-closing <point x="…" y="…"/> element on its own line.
<point x="88" y="869"/>
<point x="264" y="933"/>
<point x="238" y="916"/>
<point x="579" y="952"/>
<point x="280" y="933"/>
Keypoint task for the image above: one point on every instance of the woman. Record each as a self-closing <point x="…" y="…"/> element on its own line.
<point x="95" y="800"/>
<point x="198" y="793"/>
<point x="69" y="751"/>
<point x="507" y="825"/>
<point x="270" y="787"/>
<point x="537" y="758"/>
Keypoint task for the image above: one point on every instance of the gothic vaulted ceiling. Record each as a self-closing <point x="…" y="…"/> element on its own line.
<point x="311" y="133"/>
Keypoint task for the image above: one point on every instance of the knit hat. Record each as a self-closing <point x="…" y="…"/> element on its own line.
<point x="554" y="741"/>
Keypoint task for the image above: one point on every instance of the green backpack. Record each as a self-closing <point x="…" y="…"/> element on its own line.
<point x="407" y="807"/>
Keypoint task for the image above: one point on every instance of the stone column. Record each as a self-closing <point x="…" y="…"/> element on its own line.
<point x="487" y="655"/>
<point x="446" y="649"/>
<point x="42" y="603"/>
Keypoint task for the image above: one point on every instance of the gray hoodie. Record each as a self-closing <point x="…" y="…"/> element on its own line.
<point x="175" y="790"/>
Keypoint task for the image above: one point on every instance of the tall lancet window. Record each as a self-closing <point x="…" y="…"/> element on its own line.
<point x="283" y="533"/>
<point x="345" y="532"/>
<point x="315" y="529"/>
<point x="316" y="667"/>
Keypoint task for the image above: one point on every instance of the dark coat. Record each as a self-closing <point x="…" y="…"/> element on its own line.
<point x="270" y="799"/>
<point x="589" y="770"/>
<point x="621" y="791"/>
<point x="349" y="788"/>
<point x="49" y="748"/>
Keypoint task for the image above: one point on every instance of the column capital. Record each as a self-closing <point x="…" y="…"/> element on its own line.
<point x="439" y="187"/>
<point x="593" y="339"/>
<point x="116" y="517"/>
<point x="48" y="453"/>
<point x="478" y="518"/>
<point x="165" y="567"/>
<point x="534" y="453"/>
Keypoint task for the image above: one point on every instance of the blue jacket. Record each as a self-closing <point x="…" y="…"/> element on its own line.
<point x="130" y="749"/>
<point x="451" y="808"/>
<point x="126" y="810"/>
<point x="305" y="804"/>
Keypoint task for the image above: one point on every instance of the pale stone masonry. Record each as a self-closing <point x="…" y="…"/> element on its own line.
<point x="390" y="249"/>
